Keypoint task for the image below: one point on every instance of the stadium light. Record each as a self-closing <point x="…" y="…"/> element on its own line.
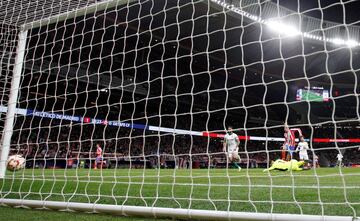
<point x="351" y="43"/>
<point x="284" y="29"/>
<point x="337" y="41"/>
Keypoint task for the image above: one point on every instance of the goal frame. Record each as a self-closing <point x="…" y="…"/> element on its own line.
<point x="162" y="212"/>
<point x="13" y="97"/>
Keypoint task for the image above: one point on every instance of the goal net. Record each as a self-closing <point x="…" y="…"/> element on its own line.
<point x="126" y="107"/>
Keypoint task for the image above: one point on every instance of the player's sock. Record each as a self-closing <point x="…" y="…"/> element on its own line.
<point x="236" y="165"/>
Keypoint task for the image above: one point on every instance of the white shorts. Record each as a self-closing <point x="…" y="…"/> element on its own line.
<point x="304" y="156"/>
<point x="233" y="153"/>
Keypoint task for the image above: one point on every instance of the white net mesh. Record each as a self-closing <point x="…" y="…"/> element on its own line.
<point x="127" y="103"/>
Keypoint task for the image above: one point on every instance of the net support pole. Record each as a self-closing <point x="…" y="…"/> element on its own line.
<point x="11" y="109"/>
<point x="160" y="212"/>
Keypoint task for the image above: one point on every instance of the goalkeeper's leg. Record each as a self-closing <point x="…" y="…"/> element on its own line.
<point x="272" y="167"/>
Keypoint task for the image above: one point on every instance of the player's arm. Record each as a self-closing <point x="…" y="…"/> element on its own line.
<point x="306" y="145"/>
<point x="298" y="130"/>
<point x="237" y="142"/>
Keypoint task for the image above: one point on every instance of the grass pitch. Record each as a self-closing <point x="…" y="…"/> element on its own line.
<point x="18" y="214"/>
<point x="329" y="191"/>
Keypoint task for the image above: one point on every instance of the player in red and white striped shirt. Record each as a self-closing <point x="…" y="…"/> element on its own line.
<point x="289" y="143"/>
<point x="99" y="158"/>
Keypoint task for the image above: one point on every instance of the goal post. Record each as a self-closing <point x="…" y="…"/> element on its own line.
<point x="13" y="98"/>
<point x="158" y="212"/>
<point x="122" y="107"/>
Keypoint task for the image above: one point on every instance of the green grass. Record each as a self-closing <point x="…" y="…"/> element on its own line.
<point x="216" y="189"/>
<point x="18" y="214"/>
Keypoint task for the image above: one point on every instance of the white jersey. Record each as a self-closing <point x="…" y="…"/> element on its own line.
<point x="231" y="142"/>
<point x="339" y="157"/>
<point x="302" y="147"/>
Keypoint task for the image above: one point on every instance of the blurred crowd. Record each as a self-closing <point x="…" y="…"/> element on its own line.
<point x="40" y="138"/>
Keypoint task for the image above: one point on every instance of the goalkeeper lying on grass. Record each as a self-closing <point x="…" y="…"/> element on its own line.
<point x="286" y="165"/>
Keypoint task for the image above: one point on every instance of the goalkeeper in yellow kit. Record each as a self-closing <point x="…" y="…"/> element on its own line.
<point x="286" y="165"/>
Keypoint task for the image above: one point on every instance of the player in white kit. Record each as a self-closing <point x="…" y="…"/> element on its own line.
<point x="339" y="157"/>
<point x="302" y="148"/>
<point x="231" y="147"/>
